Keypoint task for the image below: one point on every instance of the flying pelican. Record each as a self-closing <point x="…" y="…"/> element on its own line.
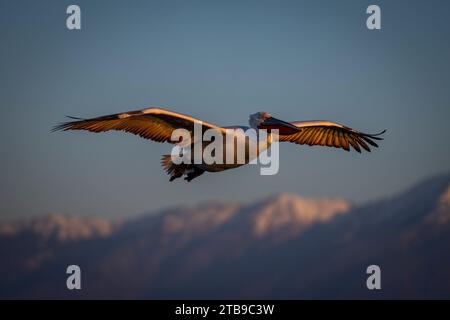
<point x="158" y="125"/>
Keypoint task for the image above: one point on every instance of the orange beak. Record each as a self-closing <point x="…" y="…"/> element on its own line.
<point x="283" y="127"/>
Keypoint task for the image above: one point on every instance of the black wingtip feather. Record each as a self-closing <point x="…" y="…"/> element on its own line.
<point x="59" y="127"/>
<point x="376" y="135"/>
<point x="75" y="118"/>
<point x="369" y="141"/>
<point x="64" y="126"/>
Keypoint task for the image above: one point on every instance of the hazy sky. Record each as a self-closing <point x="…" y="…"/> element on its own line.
<point x="219" y="61"/>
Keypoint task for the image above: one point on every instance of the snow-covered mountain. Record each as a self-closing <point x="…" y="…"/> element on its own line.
<point x="284" y="246"/>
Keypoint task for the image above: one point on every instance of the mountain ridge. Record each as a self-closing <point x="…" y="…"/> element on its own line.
<point x="283" y="246"/>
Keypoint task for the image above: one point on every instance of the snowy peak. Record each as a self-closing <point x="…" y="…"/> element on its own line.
<point x="61" y="227"/>
<point x="290" y="213"/>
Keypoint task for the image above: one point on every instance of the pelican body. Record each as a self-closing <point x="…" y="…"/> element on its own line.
<point x="160" y="125"/>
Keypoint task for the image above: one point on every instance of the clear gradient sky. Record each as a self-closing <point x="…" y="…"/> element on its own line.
<point x="219" y="61"/>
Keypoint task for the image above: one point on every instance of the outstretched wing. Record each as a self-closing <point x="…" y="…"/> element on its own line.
<point x="330" y="134"/>
<point x="154" y="123"/>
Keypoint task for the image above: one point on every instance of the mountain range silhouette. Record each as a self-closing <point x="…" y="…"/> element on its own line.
<point x="281" y="247"/>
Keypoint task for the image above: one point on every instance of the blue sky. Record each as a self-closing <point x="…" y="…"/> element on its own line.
<point x="219" y="61"/>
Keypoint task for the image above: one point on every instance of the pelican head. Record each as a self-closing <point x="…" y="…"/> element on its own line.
<point x="264" y="120"/>
<point x="257" y="119"/>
